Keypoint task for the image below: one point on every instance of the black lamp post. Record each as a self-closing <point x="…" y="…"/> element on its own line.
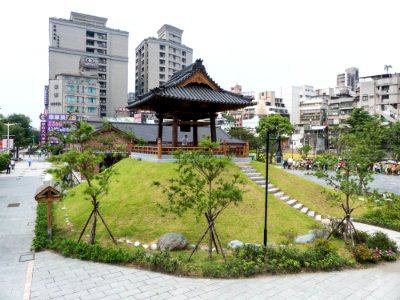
<point x="291" y="143"/>
<point x="278" y="160"/>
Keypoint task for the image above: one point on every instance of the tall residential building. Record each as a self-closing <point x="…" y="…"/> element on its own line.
<point x="157" y="59"/>
<point x="292" y="96"/>
<point x="379" y="95"/>
<point x="339" y="109"/>
<point x="348" y="79"/>
<point x="83" y="45"/>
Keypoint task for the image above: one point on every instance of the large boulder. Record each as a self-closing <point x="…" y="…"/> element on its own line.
<point x="235" y="243"/>
<point x="172" y="241"/>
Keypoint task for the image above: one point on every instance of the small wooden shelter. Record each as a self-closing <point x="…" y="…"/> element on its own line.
<point x="48" y="193"/>
<point x="188" y="99"/>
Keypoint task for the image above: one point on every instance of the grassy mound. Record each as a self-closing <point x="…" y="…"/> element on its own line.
<point x="131" y="210"/>
<point x="309" y="193"/>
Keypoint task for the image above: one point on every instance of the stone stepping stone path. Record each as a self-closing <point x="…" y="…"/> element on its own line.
<point x="259" y="179"/>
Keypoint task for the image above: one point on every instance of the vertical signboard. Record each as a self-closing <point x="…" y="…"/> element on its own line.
<point x="46" y="96"/>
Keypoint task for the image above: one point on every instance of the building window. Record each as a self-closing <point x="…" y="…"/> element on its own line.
<point x="70" y="88"/>
<point x="183" y="53"/>
<point x="162" y="47"/>
<point x="162" y="62"/>
<point x="70" y="99"/>
<point x="162" y="54"/>
<point x="102" y="36"/>
<point x="91" y="90"/>
<point x="91" y="109"/>
<point x="91" y="100"/>
<point x="55" y="95"/>
<point x="162" y="76"/>
<point x="70" y="108"/>
<point x="365" y="97"/>
<point x="56" y="86"/>
<point x="162" y="69"/>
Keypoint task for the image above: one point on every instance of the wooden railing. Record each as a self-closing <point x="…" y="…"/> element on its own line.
<point x="160" y="150"/>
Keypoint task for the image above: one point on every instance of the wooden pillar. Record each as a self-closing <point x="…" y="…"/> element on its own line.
<point x="195" y="134"/>
<point x="175" y="132"/>
<point x="247" y="149"/>
<point x="225" y="148"/>
<point x="159" y="149"/>
<point x="212" y="128"/>
<point x="49" y="220"/>
<point x="160" y="127"/>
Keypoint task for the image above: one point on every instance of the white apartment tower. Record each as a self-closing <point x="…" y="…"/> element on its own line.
<point x="348" y="79"/>
<point x="292" y="96"/>
<point x="83" y="46"/>
<point x="157" y="59"/>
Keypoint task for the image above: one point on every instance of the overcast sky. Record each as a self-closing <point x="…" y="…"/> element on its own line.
<point x="260" y="44"/>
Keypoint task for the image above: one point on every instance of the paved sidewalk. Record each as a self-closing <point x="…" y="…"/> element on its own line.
<point x="56" y="277"/>
<point x="17" y="220"/>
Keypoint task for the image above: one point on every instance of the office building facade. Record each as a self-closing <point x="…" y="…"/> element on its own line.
<point x="157" y="59"/>
<point x="84" y="46"/>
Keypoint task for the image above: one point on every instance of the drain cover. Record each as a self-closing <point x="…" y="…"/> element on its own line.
<point x="27" y="257"/>
<point x="13" y="205"/>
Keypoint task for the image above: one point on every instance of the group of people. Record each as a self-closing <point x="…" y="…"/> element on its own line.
<point x="387" y="168"/>
<point x="303" y="164"/>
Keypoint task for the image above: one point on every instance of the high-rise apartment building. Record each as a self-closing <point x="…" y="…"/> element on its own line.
<point x="292" y="96"/>
<point x="157" y="59"/>
<point x="348" y="79"/>
<point x="84" y="46"/>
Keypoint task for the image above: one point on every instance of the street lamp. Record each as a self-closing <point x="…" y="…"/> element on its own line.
<point x="278" y="160"/>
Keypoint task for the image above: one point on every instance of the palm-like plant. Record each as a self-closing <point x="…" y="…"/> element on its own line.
<point x="386" y="68"/>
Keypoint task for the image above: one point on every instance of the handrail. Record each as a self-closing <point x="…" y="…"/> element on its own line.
<point x="238" y="151"/>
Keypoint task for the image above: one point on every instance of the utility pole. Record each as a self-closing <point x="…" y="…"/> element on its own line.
<point x="8" y="135"/>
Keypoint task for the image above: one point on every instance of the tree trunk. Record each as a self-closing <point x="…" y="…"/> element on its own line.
<point x="346" y="230"/>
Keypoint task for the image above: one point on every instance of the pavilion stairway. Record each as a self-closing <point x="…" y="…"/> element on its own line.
<point x="259" y="179"/>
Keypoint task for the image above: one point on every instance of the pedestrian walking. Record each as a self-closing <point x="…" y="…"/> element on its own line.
<point x="29" y="162"/>
<point x="185" y="140"/>
<point x="8" y="169"/>
<point x="12" y="164"/>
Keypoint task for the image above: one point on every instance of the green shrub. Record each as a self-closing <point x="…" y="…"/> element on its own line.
<point x="381" y="241"/>
<point x="163" y="262"/>
<point x="361" y="237"/>
<point x="40" y="241"/>
<point x="388" y="255"/>
<point x="363" y="254"/>
<point x="384" y="212"/>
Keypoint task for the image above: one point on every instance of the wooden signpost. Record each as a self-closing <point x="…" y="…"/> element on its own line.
<point x="48" y="193"/>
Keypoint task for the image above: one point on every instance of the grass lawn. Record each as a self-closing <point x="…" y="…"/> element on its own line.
<point x="131" y="210"/>
<point x="309" y="193"/>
